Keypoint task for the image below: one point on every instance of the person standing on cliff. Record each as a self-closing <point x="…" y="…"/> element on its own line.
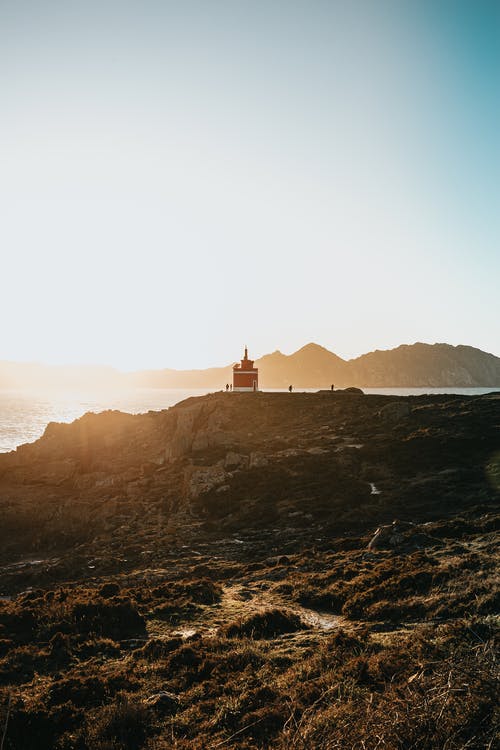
<point x="290" y="388"/>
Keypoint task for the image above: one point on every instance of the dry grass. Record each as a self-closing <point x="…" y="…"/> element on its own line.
<point x="234" y="632"/>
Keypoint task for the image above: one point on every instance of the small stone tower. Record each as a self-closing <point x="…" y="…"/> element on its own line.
<point x="245" y="375"/>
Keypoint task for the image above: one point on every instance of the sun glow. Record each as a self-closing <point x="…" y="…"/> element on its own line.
<point x="173" y="186"/>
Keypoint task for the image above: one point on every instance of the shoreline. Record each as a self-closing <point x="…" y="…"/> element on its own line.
<point x="24" y="415"/>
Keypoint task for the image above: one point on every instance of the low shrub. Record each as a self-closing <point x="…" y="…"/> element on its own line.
<point x="122" y="725"/>
<point x="157" y="648"/>
<point x="267" y="624"/>
<point x="115" y="619"/>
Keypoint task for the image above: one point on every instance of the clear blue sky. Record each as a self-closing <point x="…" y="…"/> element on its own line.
<point x="178" y="179"/>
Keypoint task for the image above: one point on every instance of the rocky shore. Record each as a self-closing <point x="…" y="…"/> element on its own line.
<point x="228" y="573"/>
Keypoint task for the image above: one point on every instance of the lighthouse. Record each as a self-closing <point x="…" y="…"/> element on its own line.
<point x="245" y="375"/>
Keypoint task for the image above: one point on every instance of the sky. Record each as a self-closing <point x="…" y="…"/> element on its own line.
<point x="179" y="179"/>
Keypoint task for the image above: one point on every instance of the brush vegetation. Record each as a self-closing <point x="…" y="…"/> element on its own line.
<point x="228" y="595"/>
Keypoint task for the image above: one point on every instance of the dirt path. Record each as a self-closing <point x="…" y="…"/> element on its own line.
<point x="239" y="601"/>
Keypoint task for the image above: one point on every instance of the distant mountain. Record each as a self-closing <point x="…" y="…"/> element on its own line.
<point x="312" y="366"/>
<point x="415" y="365"/>
<point x="309" y="367"/>
<point x="436" y="365"/>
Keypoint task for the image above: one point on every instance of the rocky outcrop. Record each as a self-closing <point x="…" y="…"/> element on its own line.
<point x="181" y="441"/>
<point x="201" y="479"/>
<point x="258" y="460"/>
<point x="390" y="535"/>
<point x="198" y="427"/>
<point x="250" y="460"/>
<point x="235" y="461"/>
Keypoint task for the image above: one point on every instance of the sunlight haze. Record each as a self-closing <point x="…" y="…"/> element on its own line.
<point x="179" y="179"/>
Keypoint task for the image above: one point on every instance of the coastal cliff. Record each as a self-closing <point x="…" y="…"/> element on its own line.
<point x="259" y="550"/>
<point x="240" y="461"/>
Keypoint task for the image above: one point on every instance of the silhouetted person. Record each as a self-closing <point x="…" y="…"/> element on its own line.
<point x="290" y="388"/>
<point x="227" y="386"/>
<point x="332" y="387"/>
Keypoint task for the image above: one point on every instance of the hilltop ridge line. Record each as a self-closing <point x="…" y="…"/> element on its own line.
<point x="312" y="366"/>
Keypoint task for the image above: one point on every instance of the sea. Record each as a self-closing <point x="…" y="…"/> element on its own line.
<point x="25" y="414"/>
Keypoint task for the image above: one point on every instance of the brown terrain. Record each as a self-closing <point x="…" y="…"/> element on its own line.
<point x="254" y="571"/>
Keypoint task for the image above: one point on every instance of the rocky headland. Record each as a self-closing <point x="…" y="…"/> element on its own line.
<point x="254" y="570"/>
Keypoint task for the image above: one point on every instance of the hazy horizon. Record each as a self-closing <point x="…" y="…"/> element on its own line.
<point x="179" y="179"/>
<point x="227" y="363"/>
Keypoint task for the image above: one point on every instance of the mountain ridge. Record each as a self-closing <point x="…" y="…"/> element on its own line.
<point x="312" y="366"/>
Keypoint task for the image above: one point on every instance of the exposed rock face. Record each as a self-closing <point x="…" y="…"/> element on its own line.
<point x="201" y="441"/>
<point x="250" y="460"/>
<point x="235" y="461"/>
<point x="258" y="460"/>
<point x="198" y="427"/>
<point x="201" y="479"/>
<point x="182" y="440"/>
<point x="390" y="535"/>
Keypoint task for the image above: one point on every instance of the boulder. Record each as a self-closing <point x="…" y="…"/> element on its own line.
<point x="257" y="460"/>
<point x="201" y="479"/>
<point x="235" y="461"/>
<point x="391" y="535"/>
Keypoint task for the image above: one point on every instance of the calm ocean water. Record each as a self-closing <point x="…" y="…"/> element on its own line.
<point x="24" y="414"/>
